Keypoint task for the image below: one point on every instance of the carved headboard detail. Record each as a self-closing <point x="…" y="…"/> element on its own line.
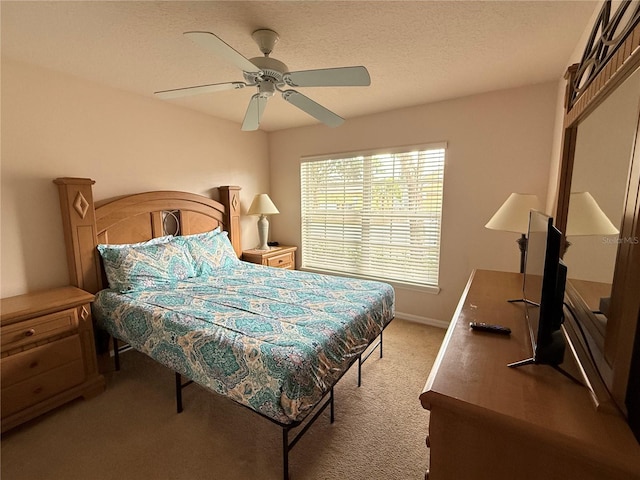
<point x="135" y="218"/>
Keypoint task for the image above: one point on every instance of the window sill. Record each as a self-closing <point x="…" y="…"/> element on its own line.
<point x="434" y="290"/>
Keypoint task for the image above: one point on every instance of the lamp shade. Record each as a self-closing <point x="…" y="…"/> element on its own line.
<point x="262" y="205"/>
<point x="586" y="217"/>
<point x="513" y="215"/>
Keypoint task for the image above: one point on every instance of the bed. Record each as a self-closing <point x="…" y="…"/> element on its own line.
<point x="168" y="281"/>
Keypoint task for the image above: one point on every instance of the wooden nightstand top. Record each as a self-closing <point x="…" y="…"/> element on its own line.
<point x="272" y="251"/>
<point x="21" y="307"/>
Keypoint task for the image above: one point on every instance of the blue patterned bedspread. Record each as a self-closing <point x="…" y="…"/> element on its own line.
<point x="272" y="339"/>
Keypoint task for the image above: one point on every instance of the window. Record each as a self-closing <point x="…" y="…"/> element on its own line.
<point x="374" y="214"/>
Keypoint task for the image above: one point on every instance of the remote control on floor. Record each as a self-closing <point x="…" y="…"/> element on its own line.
<point x="487" y="327"/>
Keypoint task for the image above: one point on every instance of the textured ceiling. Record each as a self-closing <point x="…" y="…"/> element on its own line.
<point x="416" y="51"/>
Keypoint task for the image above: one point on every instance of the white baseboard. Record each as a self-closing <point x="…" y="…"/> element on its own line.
<point x="424" y="320"/>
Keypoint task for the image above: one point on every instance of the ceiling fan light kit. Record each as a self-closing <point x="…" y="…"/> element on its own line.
<point x="270" y="75"/>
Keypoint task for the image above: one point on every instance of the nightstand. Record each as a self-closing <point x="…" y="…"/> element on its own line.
<point x="279" y="257"/>
<point x="47" y="354"/>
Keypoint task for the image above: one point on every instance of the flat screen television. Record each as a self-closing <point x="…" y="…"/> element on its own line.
<point x="543" y="291"/>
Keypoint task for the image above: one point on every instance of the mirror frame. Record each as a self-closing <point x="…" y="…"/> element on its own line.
<point x="606" y="63"/>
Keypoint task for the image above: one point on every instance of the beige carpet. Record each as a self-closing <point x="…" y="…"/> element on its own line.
<point x="131" y="431"/>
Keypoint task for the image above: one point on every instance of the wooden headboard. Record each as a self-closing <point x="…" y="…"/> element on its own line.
<point x="135" y="218"/>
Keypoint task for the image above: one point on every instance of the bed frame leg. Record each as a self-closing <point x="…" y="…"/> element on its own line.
<point x="361" y="361"/>
<point x="116" y="354"/>
<point x="178" y="392"/>
<point x="285" y="453"/>
<point x="332" y="409"/>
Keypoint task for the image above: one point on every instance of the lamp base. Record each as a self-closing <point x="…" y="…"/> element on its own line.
<point x="263" y="233"/>
<point x="522" y="243"/>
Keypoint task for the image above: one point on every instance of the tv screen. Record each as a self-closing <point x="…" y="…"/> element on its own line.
<point x="543" y="290"/>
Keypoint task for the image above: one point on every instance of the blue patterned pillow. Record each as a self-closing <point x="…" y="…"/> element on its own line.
<point x="131" y="268"/>
<point x="211" y="251"/>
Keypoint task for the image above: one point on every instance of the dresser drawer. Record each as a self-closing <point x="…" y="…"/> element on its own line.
<point x="284" y="260"/>
<point x="19" y="367"/>
<point x="37" y="329"/>
<point x="35" y="389"/>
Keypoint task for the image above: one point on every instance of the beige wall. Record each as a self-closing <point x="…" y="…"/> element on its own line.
<point x="56" y="125"/>
<point x="498" y="143"/>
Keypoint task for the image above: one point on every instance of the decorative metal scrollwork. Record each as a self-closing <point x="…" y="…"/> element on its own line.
<point x="171" y="222"/>
<point x="607" y="35"/>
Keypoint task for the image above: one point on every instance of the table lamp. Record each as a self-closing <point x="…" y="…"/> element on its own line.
<point x="263" y="206"/>
<point x="513" y="216"/>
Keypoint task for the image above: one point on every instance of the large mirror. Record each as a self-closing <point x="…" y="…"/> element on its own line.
<point x="600" y="172"/>
<point x="602" y="159"/>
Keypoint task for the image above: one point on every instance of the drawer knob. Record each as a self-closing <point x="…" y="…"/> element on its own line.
<point x="37" y="390"/>
<point x="30" y="332"/>
<point x="33" y="364"/>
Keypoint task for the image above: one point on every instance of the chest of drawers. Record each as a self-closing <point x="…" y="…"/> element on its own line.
<point x="47" y="353"/>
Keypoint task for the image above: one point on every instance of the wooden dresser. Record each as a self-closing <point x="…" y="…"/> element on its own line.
<point x="279" y="257"/>
<point x="47" y="354"/>
<point x="491" y="421"/>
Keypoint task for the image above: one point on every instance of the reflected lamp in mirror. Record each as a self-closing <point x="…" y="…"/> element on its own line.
<point x="587" y="218"/>
<point x="263" y="206"/>
<point x="513" y="216"/>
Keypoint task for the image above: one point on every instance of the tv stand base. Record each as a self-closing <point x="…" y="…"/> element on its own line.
<point x="532" y="361"/>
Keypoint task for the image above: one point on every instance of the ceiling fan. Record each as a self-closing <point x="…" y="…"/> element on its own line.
<point x="270" y="75"/>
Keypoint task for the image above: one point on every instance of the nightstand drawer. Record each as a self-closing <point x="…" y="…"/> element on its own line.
<point x="40" y="328"/>
<point x="285" y="260"/>
<point x="35" y="389"/>
<point x="19" y="367"/>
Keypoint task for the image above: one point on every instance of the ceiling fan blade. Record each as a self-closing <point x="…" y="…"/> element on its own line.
<point x="197" y="90"/>
<point x="211" y="42"/>
<point x="314" y="109"/>
<point x="329" y="77"/>
<point x="254" y="112"/>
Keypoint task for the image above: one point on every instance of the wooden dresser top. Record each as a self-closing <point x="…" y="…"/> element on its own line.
<point x="22" y="307"/>
<point x="471" y="373"/>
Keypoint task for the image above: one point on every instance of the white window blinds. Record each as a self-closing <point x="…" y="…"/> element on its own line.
<point x="375" y="215"/>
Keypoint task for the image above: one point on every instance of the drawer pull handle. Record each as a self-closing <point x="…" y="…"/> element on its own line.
<point x="29" y="333"/>
<point x="33" y="364"/>
<point x="37" y="390"/>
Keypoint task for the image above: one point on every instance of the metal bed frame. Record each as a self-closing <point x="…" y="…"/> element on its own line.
<point x="326" y="401"/>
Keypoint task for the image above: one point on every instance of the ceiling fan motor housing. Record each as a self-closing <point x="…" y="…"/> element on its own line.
<point x="272" y="69"/>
